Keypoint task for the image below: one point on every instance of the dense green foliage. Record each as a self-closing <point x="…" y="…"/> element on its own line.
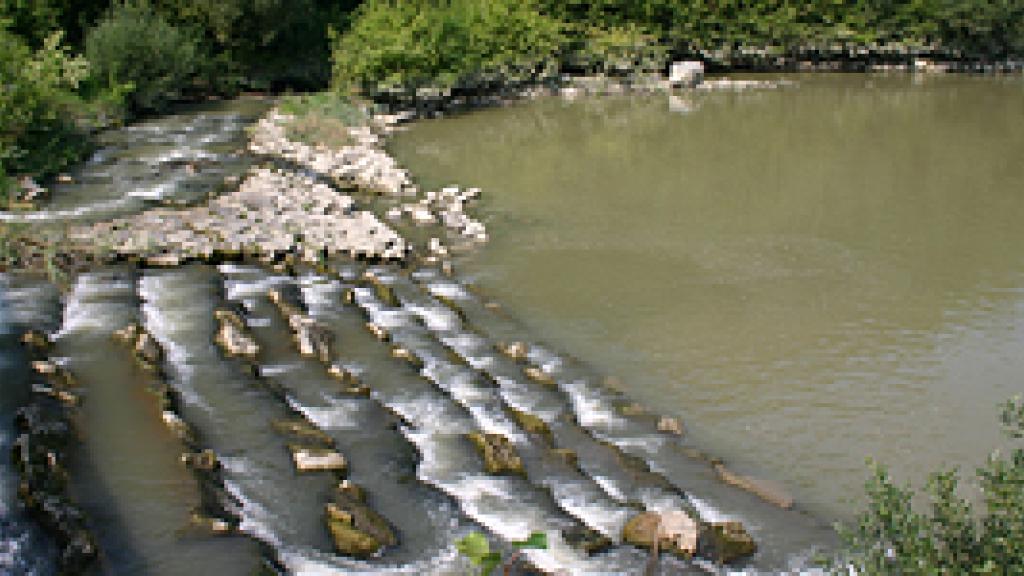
<point x="40" y="111"/>
<point x="892" y="538"/>
<point x="136" y="49"/>
<point x="447" y="44"/>
<point x="145" y="54"/>
<point x="458" y="43"/>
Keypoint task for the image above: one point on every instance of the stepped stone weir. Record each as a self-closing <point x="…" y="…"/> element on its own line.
<point x="234" y="413"/>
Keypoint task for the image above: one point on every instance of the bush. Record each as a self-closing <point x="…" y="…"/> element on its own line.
<point x="135" y="47"/>
<point x="892" y="538"/>
<point x="39" y="106"/>
<point x="444" y="44"/>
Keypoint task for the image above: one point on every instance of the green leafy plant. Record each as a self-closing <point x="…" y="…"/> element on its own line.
<point x="137" y="51"/>
<point x="477" y="548"/>
<point x="891" y="537"/>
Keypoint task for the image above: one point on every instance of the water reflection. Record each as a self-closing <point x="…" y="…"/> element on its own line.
<point x="809" y="276"/>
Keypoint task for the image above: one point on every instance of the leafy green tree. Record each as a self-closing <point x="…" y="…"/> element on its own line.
<point x="951" y="537"/>
<point x="39" y="105"/>
<point x="410" y="44"/>
<point x="134" y="46"/>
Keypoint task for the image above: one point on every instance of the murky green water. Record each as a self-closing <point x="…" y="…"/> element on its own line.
<point x="808" y="276"/>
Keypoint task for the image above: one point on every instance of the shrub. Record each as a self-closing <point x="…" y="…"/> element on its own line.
<point x="408" y="44"/>
<point x="135" y="47"/>
<point x="38" y="107"/>
<point x="892" y="538"/>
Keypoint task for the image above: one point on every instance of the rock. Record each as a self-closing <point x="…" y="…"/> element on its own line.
<point x="633" y="410"/>
<point x="674" y="530"/>
<point x="45" y="367"/>
<point x="232" y="337"/>
<point x="670" y="425"/>
<point x="764" y="489"/>
<point x="341" y="372"/>
<point x="686" y="74"/>
<point x="205" y="461"/>
<point x="314" y="339"/>
<point x="148" y="351"/>
<point x="586" y="539"/>
<point x="357" y="529"/>
<point x="531" y="424"/>
<point x="176" y="425"/>
<point x="539" y="376"/>
<point x="29" y="191"/>
<point x="378" y="332"/>
<point x="517" y="351"/>
<point x="164" y="260"/>
<point x="128" y="334"/>
<point x="301" y="429"/>
<point x="727" y="542"/>
<point x="499" y="455"/>
<point x="407" y="355"/>
<point x="566" y="455"/>
<point x="36" y="341"/>
<point x="317" y="459"/>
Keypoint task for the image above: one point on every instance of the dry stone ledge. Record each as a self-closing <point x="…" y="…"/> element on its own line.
<point x="317" y="459"/>
<point x="363" y="164"/>
<point x="272" y="214"/>
<point x="232" y="336"/>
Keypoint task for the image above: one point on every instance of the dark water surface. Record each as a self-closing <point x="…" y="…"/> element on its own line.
<point x="807" y="276"/>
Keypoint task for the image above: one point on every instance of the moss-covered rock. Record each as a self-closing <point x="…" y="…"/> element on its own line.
<point x="357" y="529"/>
<point x="499" y="455"/>
<point x="726" y="542"/>
<point x="531" y="424"/>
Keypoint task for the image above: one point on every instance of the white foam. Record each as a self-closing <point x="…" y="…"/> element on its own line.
<point x="343" y="415"/>
<point x="610" y="488"/>
<point x="436" y="318"/>
<point x="578" y="500"/>
<point x="449" y="290"/>
<point x="590" y="408"/>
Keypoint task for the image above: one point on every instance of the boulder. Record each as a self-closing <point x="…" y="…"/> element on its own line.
<point x="686" y="74"/>
<point x="586" y="539"/>
<point x="378" y="332"/>
<point x="407" y="355"/>
<point x="673" y="530"/>
<point x="205" y="461"/>
<point x="499" y="455"/>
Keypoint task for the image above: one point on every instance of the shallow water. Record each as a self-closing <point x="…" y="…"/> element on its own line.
<point x="808" y="276"/>
<point x="175" y="159"/>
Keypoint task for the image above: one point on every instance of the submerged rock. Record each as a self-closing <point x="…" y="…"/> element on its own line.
<point x="670" y="425"/>
<point x="767" y="491"/>
<point x="301" y="429"/>
<point x="531" y="424"/>
<point x="539" y="376"/>
<point x="517" y="351"/>
<point x="357" y="529"/>
<point x="727" y="542"/>
<point x="499" y="455"/>
<point x="39" y="454"/>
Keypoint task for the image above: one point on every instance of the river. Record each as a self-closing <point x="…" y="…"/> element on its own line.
<point x="809" y="276"/>
<point x="805" y="276"/>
